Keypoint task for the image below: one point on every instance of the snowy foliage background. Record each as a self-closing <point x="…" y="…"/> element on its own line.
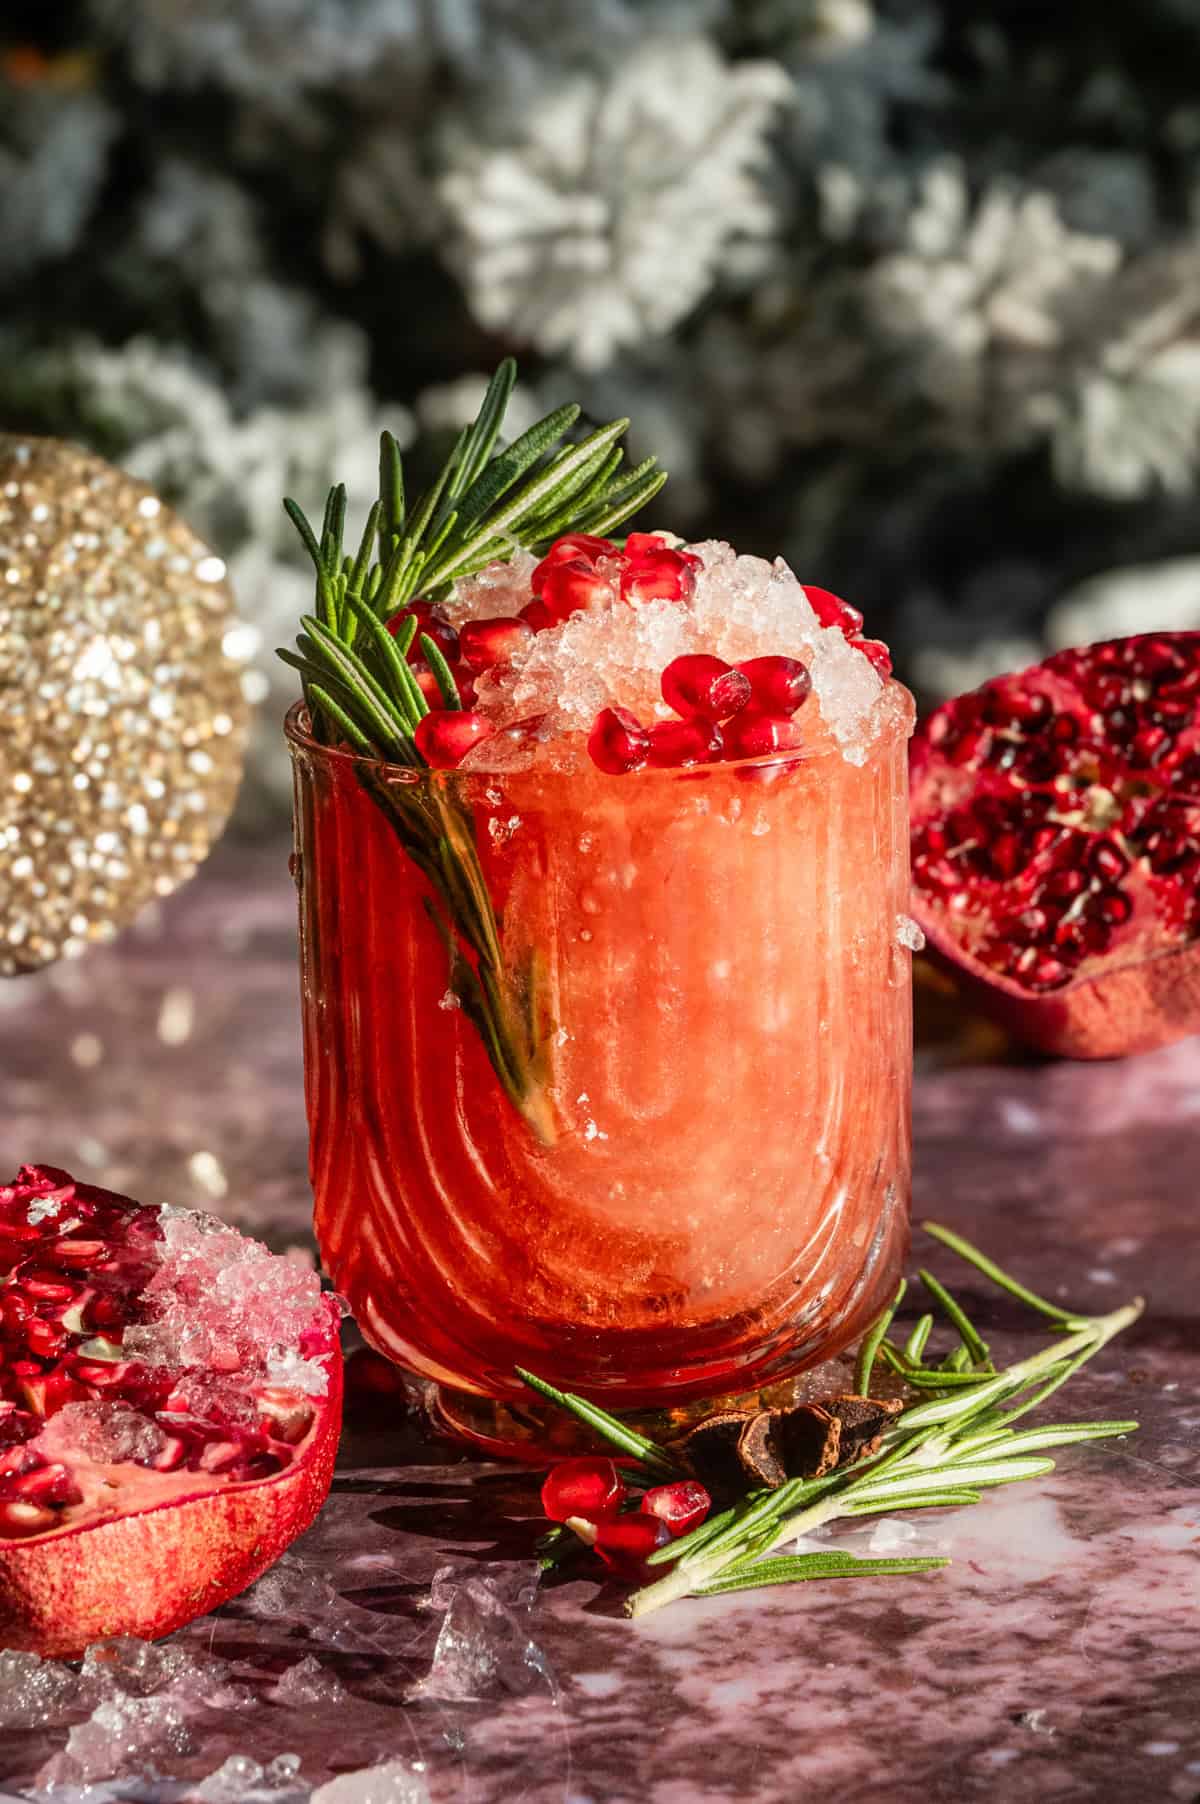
<point x="908" y="290"/>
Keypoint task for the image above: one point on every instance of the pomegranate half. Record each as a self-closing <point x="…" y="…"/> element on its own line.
<point x="1056" y="845"/>
<point x="170" y="1400"/>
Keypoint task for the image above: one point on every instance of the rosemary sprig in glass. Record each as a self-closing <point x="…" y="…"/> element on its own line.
<point x="942" y="1451"/>
<point x="485" y="504"/>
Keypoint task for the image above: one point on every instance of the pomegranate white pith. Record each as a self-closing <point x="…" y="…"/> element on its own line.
<point x="1056" y="845"/>
<point x="170" y="1399"/>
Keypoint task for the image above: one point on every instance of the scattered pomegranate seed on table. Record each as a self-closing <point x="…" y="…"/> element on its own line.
<point x="624" y="1542"/>
<point x="683" y="1506"/>
<point x="588" y="1487"/>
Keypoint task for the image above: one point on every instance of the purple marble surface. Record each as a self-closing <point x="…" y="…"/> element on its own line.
<point x="1057" y="1658"/>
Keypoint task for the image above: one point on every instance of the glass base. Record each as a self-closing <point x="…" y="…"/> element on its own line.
<point x="538" y="1433"/>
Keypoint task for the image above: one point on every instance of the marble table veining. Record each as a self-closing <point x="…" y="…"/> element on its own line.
<point x="1056" y="1659"/>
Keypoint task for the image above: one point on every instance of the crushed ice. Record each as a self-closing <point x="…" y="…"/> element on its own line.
<point x="613" y="656"/>
<point x="224" y="1303"/>
<point x="909" y="934"/>
<point x="394" y="1782"/>
<point x="484" y="1648"/>
<point x="106" y="1431"/>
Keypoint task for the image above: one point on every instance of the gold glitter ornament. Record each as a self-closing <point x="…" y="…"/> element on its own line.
<point x="122" y="719"/>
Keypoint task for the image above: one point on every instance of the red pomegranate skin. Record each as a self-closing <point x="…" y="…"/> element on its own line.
<point x="1056" y="846"/>
<point x="161" y="1561"/>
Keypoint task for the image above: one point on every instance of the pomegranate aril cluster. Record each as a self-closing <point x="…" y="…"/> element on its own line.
<point x="73" y="1263"/>
<point x="725" y="711"/>
<point x="621" y="1526"/>
<point x="1087" y="790"/>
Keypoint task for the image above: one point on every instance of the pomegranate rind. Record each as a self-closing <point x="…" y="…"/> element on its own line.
<point x="1142" y="993"/>
<point x="148" y="1573"/>
<point x="1131" y="1009"/>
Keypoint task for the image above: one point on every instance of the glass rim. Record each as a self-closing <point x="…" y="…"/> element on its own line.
<point x="298" y="731"/>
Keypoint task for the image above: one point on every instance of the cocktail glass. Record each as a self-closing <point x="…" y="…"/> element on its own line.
<point x="666" y="1157"/>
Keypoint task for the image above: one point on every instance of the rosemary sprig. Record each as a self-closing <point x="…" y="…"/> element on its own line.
<point x="484" y="505"/>
<point x="944" y="1450"/>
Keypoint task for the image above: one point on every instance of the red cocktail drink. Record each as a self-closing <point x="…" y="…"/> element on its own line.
<point x="691" y="1176"/>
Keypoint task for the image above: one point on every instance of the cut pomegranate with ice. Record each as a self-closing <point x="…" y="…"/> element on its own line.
<point x="682" y="1506"/>
<point x="176" y="1429"/>
<point x="483" y="643"/>
<point x="445" y="736"/>
<point x="777" y="685"/>
<point x="591" y="1488"/>
<point x="1056" y="845"/>
<point x="618" y="743"/>
<point x="701" y="687"/>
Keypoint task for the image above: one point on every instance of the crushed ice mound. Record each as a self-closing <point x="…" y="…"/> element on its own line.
<point x="225" y="1304"/>
<point x="612" y="656"/>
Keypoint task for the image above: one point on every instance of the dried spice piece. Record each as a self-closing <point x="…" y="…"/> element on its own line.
<point x="768" y="1446"/>
<point x="862" y="1421"/>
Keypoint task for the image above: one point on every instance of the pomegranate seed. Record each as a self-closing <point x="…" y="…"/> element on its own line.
<point x="78" y="1252"/>
<point x="777" y="685"/>
<point x="592" y="1488"/>
<point x="877" y="655"/>
<point x="637" y="544"/>
<point x="430" y="621"/>
<point x="618" y="743"/>
<point x="20" y="1520"/>
<point x="571" y="587"/>
<point x="573" y="547"/>
<point x="1112" y="906"/>
<point x="663" y="575"/>
<point x="831" y="610"/>
<point x="46" y="1287"/>
<point x="1148" y="746"/>
<point x="702" y="687"/>
<point x="444" y="738"/>
<point x="625" y="1543"/>
<point x="484" y="643"/>
<point x="537" y="615"/>
<point x="753" y="734"/>
<point x="682" y="1506"/>
<point x="1049" y="974"/>
<point x="1107" y="860"/>
<point x="675" y="744"/>
<point x="1064" y="886"/>
<point x="47" y="1484"/>
<point x="45" y="1395"/>
<point x="45" y="1339"/>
